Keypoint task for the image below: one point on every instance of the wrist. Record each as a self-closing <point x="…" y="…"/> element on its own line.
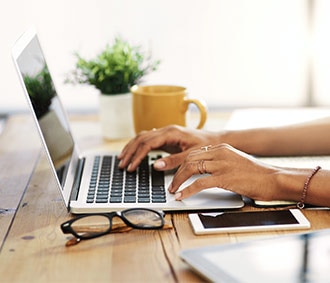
<point x="290" y="183"/>
<point x="301" y="203"/>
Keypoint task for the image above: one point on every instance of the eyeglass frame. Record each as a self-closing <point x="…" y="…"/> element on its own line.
<point x="66" y="226"/>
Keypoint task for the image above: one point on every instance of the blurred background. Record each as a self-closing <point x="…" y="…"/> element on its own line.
<point x="232" y="53"/>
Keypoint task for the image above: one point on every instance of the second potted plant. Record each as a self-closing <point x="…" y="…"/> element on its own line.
<point x="113" y="71"/>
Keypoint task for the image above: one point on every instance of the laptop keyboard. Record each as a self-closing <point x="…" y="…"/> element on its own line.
<point x="109" y="184"/>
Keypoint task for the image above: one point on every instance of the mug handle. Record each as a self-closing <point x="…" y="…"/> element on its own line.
<point x="201" y="105"/>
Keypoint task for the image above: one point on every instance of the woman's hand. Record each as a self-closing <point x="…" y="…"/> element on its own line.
<point x="230" y="169"/>
<point x="178" y="141"/>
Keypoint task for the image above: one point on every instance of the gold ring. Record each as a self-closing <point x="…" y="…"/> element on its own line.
<point x="201" y="167"/>
<point x="206" y="148"/>
<point x="204" y="167"/>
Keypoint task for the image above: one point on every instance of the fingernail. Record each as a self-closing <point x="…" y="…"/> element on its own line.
<point x="178" y="196"/>
<point x="170" y="188"/>
<point x="160" y="164"/>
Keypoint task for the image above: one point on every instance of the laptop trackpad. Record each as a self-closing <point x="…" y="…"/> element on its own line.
<point x="211" y="197"/>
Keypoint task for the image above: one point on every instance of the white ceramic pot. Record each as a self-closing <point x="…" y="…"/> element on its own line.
<point x="116" y="116"/>
<point x="59" y="142"/>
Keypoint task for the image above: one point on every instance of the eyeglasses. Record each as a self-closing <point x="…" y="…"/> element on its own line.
<point x="89" y="226"/>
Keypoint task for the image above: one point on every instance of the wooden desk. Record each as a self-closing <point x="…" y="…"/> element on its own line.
<point x="33" y="246"/>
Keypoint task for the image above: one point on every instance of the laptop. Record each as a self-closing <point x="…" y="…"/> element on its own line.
<point x="92" y="183"/>
<point x="303" y="257"/>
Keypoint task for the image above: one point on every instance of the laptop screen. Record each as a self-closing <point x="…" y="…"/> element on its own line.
<point x="48" y="110"/>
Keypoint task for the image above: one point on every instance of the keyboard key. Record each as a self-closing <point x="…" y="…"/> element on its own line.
<point x="143" y="200"/>
<point x="158" y="200"/>
<point x="130" y="199"/>
<point x="101" y="200"/>
<point x="157" y="177"/>
<point x="115" y="199"/>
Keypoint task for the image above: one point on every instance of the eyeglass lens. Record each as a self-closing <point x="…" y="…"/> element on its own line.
<point x="143" y="218"/>
<point x="91" y="225"/>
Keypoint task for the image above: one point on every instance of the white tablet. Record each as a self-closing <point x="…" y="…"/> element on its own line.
<point x="290" y="258"/>
<point x="225" y="222"/>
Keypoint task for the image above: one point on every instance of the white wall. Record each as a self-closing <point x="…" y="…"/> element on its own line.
<point x="232" y="53"/>
<point x="321" y="52"/>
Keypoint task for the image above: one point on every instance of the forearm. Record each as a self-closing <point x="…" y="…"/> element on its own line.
<point x="305" y="139"/>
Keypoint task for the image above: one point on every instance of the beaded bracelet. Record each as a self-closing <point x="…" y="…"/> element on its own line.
<point x="301" y="203"/>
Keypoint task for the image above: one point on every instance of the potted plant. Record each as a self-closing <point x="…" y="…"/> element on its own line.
<point x="113" y="71"/>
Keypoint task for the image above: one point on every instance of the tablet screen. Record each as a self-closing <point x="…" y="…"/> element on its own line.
<point x="294" y="258"/>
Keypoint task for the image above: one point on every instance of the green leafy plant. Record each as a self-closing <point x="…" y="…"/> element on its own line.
<point x="41" y="91"/>
<point x="115" y="69"/>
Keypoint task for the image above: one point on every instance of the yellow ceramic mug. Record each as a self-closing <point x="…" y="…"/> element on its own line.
<point x="156" y="106"/>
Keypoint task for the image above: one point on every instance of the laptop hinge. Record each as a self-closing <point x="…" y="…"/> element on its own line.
<point x="78" y="176"/>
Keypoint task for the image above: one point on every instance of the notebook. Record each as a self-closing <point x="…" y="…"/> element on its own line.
<point x="86" y="181"/>
<point x="301" y="257"/>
